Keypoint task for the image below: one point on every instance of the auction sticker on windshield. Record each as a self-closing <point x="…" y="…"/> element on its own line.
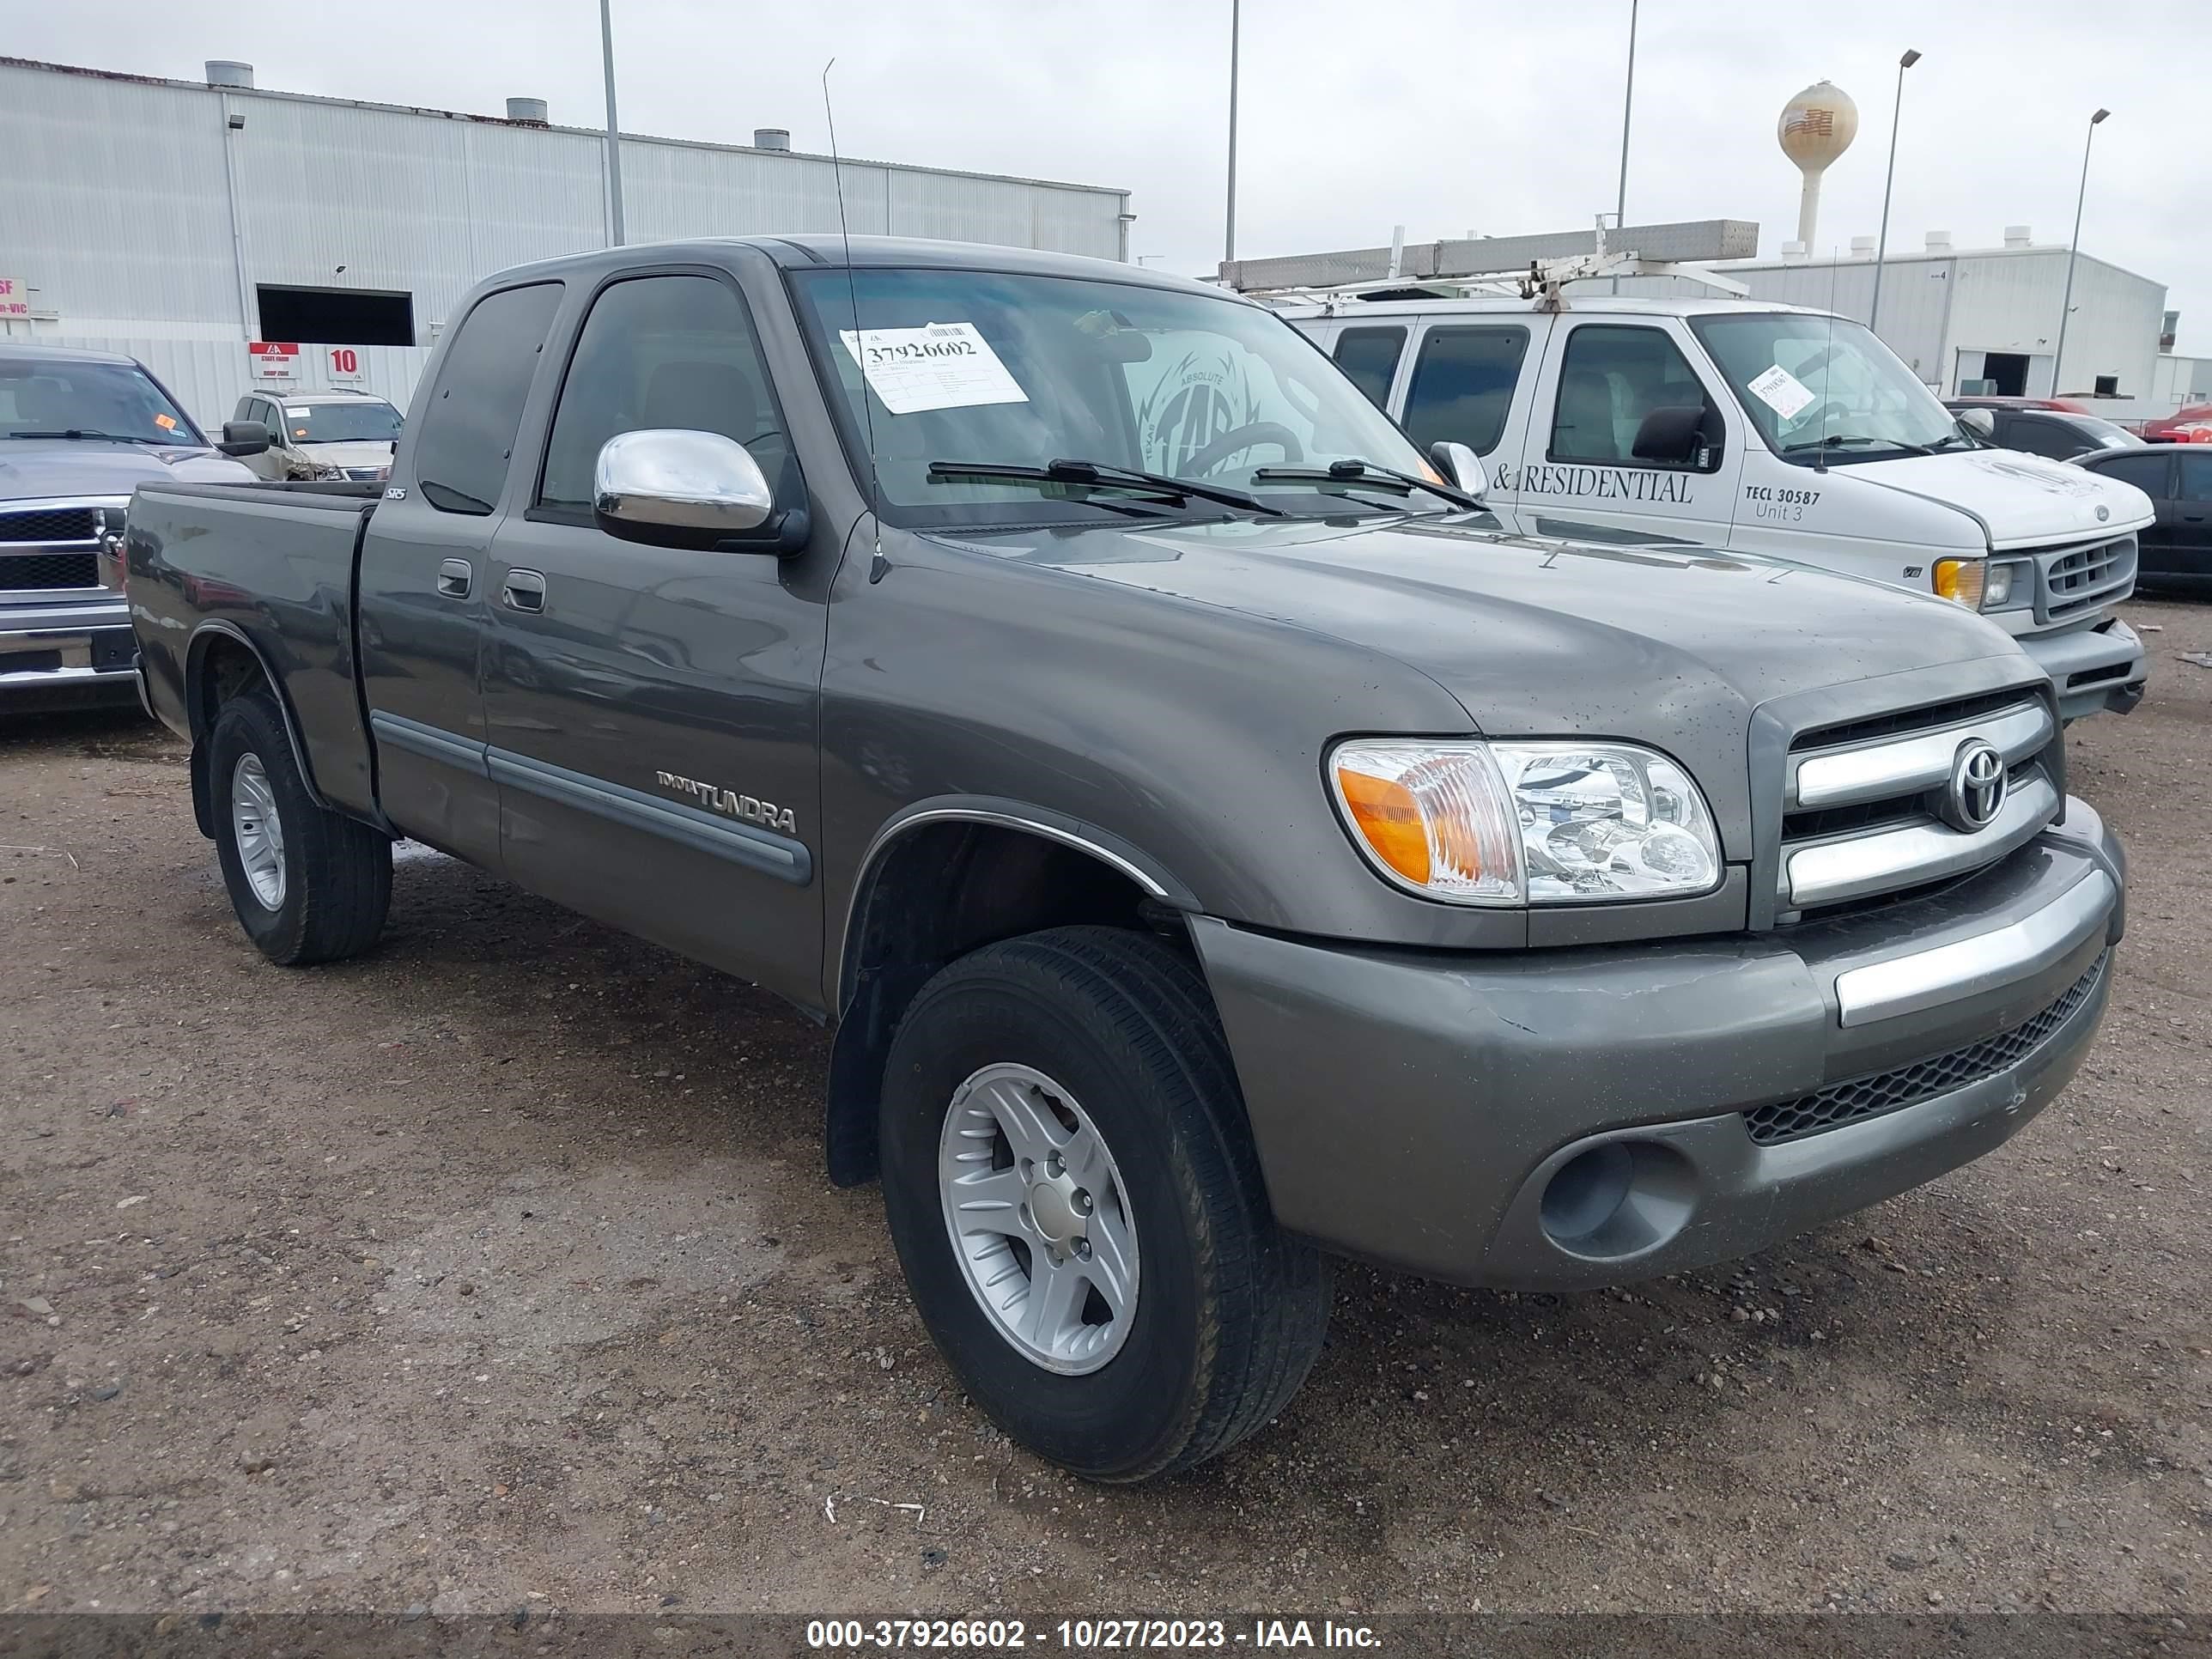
<point x="936" y="365"/>
<point x="1780" y="392"/>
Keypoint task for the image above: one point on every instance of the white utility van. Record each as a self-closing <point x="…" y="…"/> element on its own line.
<point x="1768" y="428"/>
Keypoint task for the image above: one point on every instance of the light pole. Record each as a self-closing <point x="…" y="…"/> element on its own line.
<point x="1229" y="232"/>
<point x="1627" y="105"/>
<point x="1881" y="242"/>
<point x="2066" y="305"/>
<point x="614" y="130"/>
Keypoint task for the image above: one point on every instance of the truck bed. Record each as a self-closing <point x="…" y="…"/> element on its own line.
<point x="274" y="566"/>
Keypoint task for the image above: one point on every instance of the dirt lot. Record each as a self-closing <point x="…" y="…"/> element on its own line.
<point x="499" y="1265"/>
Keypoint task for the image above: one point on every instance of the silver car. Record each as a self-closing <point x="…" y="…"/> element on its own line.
<point x="322" y="434"/>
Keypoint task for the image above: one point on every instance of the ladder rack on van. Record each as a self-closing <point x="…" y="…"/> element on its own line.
<point x="1536" y="268"/>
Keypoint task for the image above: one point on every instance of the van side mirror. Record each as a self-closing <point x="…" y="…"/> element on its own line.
<point x="243" y="438"/>
<point x="670" y="488"/>
<point x="1675" y="434"/>
<point x="1979" y="422"/>
<point x="1461" y="466"/>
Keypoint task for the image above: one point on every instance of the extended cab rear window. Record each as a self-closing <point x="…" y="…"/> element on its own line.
<point x="468" y="432"/>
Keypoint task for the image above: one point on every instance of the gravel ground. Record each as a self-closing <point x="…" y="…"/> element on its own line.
<point x="498" y="1269"/>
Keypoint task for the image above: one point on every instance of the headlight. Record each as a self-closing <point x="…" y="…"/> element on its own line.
<point x="1474" y="823"/>
<point x="1960" y="581"/>
<point x="2001" y="584"/>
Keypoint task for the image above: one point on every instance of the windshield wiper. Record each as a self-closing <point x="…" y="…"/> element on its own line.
<point x="1098" y="475"/>
<point x="76" y="432"/>
<point x="1838" y="439"/>
<point x="1363" y="472"/>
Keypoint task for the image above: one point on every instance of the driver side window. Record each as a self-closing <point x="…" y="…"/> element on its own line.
<point x="1613" y="380"/>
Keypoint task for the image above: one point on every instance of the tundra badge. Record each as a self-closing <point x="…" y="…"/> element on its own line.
<point x="765" y="813"/>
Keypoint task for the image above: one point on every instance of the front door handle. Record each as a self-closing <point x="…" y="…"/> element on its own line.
<point x="525" y="590"/>
<point x="454" y="578"/>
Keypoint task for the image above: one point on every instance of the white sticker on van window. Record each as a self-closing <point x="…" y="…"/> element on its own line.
<point x="1780" y="392"/>
<point x="296" y="414"/>
<point x="936" y="365"/>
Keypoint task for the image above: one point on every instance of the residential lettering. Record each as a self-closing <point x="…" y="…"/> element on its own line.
<point x="1601" y="484"/>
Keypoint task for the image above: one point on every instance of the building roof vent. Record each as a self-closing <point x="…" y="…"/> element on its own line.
<point x="771" y="138"/>
<point x="1939" y="241"/>
<point x="229" y="72"/>
<point x="2016" y="236"/>
<point x="1861" y="247"/>
<point x="530" y="111"/>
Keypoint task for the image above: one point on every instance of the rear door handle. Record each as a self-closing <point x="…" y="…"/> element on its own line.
<point x="525" y="590"/>
<point x="455" y="577"/>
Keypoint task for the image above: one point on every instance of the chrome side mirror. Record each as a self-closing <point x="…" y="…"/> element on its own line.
<point x="1462" y="466"/>
<point x="1979" y="422"/>
<point x="687" y="489"/>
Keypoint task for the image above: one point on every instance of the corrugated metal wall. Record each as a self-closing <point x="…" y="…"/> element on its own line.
<point x="116" y="209"/>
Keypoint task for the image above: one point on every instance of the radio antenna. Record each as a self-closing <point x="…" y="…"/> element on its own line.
<point x="859" y="341"/>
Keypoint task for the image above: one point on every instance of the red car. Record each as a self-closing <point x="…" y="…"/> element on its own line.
<point x="2189" y="425"/>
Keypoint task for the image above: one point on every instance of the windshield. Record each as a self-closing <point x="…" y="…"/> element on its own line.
<point x="44" y="397"/>
<point x="371" y="420"/>
<point x="987" y="368"/>
<point x="1824" y="391"/>
<point x="2103" y="433"/>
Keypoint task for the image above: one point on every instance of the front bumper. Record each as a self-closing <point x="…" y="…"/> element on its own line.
<point x="1563" y="1119"/>
<point x="67" y="650"/>
<point x="2094" y="669"/>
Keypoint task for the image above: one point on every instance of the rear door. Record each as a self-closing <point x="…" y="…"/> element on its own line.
<point x="652" y="709"/>
<point x="2151" y="470"/>
<point x="1601" y="379"/>
<point x="2192" y="524"/>
<point x="423" y="589"/>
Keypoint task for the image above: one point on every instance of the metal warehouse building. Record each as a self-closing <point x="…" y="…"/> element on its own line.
<point x="1972" y="320"/>
<point x="178" y="221"/>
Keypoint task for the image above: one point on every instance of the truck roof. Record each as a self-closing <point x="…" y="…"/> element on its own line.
<point x="818" y="250"/>
<point x="63" y="354"/>
<point x="1580" y="305"/>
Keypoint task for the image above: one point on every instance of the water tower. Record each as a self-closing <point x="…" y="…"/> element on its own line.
<point x="1816" y="126"/>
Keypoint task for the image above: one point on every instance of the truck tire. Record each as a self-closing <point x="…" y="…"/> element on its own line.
<point x="1063" y="1104"/>
<point x="308" y="884"/>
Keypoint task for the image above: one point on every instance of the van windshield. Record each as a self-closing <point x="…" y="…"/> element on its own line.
<point x="1823" y="391"/>
<point x="991" y="369"/>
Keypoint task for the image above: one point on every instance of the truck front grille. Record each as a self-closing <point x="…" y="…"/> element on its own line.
<point x="1863" y="811"/>
<point x="2080" y="580"/>
<point x="22" y="572"/>
<point x="1910" y="1086"/>
<point x="50" y="524"/>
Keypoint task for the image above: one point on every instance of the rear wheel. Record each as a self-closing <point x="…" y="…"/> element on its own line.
<point x="308" y="884"/>
<point x="1078" y="1207"/>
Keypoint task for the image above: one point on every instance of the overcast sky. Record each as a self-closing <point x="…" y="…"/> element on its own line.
<point x="1442" y="115"/>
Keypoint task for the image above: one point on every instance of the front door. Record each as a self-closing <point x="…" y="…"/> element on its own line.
<point x="423" y="604"/>
<point x="2151" y="470"/>
<point x="2192" y="515"/>
<point x="652" y="709"/>
<point x="1608" y="390"/>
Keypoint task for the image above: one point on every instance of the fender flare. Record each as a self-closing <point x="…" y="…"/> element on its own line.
<point x="1156" y="880"/>
<point x="195" y="650"/>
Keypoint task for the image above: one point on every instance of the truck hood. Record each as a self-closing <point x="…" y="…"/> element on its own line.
<point x="2021" y="501"/>
<point x="370" y="453"/>
<point x="1661" y="642"/>
<point x="31" y="468"/>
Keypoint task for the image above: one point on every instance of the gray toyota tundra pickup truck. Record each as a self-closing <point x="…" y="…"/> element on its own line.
<point x="1216" y="841"/>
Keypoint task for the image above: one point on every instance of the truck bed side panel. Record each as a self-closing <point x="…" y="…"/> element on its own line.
<point x="275" y="564"/>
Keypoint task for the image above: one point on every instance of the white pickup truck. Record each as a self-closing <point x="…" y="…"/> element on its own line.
<point x="1772" y="429"/>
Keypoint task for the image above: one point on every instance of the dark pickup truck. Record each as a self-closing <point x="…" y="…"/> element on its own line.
<point x="1217" y="841"/>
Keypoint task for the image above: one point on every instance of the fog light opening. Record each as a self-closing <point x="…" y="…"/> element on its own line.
<point x="1620" y="1198"/>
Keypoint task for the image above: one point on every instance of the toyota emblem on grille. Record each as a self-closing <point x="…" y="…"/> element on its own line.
<point x="1976" y="794"/>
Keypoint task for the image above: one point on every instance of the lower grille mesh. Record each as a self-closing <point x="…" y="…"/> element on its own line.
<point x="31" y="570"/>
<point x="1908" y="1085"/>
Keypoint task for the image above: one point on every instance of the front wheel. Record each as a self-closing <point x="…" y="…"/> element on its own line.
<point x="1079" y="1209"/>
<point x="308" y="884"/>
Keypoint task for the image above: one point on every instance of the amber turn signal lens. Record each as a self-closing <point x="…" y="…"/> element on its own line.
<point x="1389" y="819"/>
<point x="1961" y="581"/>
